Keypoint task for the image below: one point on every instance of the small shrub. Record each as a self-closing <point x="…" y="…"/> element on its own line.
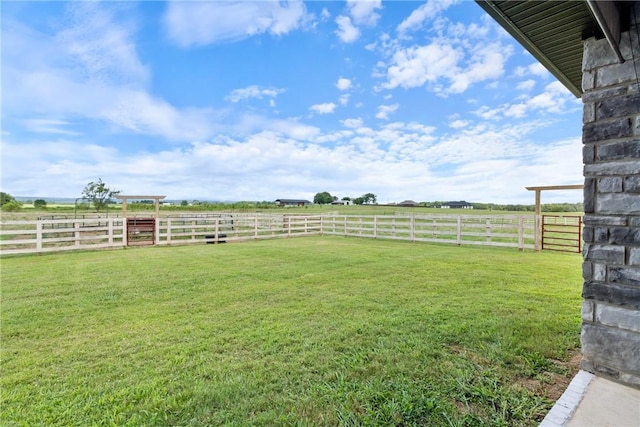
<point x="13" y="206"/>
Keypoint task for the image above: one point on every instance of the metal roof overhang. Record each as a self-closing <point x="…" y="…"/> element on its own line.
<point x="553" y="31"/>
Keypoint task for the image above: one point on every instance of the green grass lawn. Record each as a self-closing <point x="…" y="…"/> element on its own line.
<point x="306" y="331"/>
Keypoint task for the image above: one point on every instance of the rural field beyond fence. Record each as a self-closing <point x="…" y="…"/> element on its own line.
<point x="49" y="235"/>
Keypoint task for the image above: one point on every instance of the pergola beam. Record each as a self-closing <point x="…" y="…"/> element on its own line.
<point x="125" y="198"/>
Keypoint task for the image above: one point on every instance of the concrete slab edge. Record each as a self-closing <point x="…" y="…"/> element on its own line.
<point x="566" y="406"/>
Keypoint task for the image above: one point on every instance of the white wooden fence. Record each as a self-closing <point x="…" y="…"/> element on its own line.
<point x="509" y="230"/>
<point x="50" y="235"/>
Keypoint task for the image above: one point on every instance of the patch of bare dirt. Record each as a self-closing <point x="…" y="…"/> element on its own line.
<point x="552" y="384"/>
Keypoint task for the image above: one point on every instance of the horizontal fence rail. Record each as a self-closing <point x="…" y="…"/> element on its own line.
<point x="508" y="231"/>
<point x="48" y="235"/>
<point x="52" y="235"/>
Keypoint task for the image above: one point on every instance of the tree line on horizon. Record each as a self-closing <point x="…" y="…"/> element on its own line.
<point x="99" y="195"/>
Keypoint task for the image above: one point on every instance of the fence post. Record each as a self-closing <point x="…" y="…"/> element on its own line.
<point x="375" y="226"/>
<point x="39" y="236"/>
<point x="125" y="232"/>
<point x="168" y="231"/>
<point x="579" y="234"/>
<point x="76" y="228"/>
<point x="488" y="230"/>
<point x="459" y="230"/>
<point x="521" y="233"/>
<point x="255" y="227"/>
<point x="537" y="235"/>
<point x="412" y="227"/>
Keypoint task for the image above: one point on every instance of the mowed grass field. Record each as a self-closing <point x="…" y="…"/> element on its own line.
<point x="308" y="332"/>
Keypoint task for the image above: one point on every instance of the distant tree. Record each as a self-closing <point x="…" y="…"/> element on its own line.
<point x="346" y="198"/>
<point x="40" y="204"/>
<point x="369" y="198"/>
<point x="99" y="194"/>
<point x="323" y="198"/>
<point x="6" y="198"/>
<point x="358" y="201"/>
<point x="184" y="203"/>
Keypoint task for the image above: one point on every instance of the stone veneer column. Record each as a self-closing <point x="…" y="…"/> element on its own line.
<point x="611" y="155"/>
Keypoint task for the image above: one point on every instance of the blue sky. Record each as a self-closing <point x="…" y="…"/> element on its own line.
<point x="263" y="100"/>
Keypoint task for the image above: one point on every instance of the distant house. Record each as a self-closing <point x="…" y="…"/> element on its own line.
<point x="457" y="205"/>
<point x="410" y="203"/>
<point x="342" y="202"/>
<point x="292" y="202"/>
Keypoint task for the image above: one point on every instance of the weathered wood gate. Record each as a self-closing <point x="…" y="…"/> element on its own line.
<point x="562" y="233"/>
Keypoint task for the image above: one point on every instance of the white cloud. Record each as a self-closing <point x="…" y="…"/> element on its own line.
<point x="395" y="161"/>
<point x="427" y="11"/>
<point x="526" y="85"/>
<point x="535" y="69"/>
<point x="414" y="66"/>
<point x="253" y="91"/>
<point x="352" y="123"/>
<point x="201" y="23"/>
<point x="363" y="11"/>
<point x="444" y="66"/>
<point x="385" y="110"/>
<point x="554" y="99"/>
<point x="325" y="14"/>
<point x="344" y="99"/>
<point x="458" y="124"/>
<point x="140" y="112"/>
<point x="106" y="50"/>
<point x="343" y="84"/>
<point x="346" y="31"/>
<point x="52" y="126"/>
<point x="95" y="60"/>
<point x="251" y="123"/>
<point x="486" y="63"/>
<point x="326" y="108"/>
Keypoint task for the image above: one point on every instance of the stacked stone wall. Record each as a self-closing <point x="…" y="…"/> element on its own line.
<point x="611" y="155"/>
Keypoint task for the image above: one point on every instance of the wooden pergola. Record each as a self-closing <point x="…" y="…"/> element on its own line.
<point x="538" y="191"/>
<point x="125" y="198"/>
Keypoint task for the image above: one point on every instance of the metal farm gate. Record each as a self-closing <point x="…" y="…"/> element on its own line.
<point x="141" y="231"/>
<point x="562" y="233"/>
